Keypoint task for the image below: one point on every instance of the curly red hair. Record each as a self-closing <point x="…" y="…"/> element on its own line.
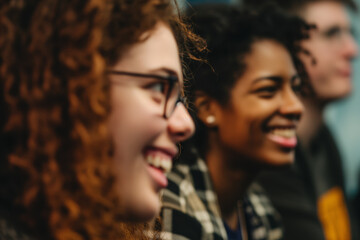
<point x="55" y="166"/>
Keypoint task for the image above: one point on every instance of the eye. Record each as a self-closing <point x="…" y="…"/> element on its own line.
<point x="333" y="32"/>
<point x="158" y="86"/>
<point x="157" y="90"/>
<point x="267" y="91"/>
<point x="296" y="84"/>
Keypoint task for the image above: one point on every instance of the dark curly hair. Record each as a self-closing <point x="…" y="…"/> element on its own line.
<point x="230" y="32"/>
<point x="56" y="179"/>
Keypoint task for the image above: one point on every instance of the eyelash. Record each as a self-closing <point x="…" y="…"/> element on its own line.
<point x="297" y="88"/>
<point x="153" y="85"/>
<point x="333" y="32"/>
<point x="297" y="85"/>
<point x="337" y="32"/>
<point x="268" y="91"/>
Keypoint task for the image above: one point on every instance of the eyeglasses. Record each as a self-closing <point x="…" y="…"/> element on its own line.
<point x="337" y="34"/>
<point x="167" y="86"/>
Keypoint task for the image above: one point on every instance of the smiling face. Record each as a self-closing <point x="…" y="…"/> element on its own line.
<point x="144" y="141"/>
<point x="259" y="121"/>
<point x="333" y="47"/>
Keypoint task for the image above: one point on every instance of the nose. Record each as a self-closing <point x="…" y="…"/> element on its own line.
<point x="180" y="124"/>
<point x="291" y="105"/>
<point x="350" y="48"/>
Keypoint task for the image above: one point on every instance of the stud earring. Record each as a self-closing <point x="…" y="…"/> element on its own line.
<point x="210" y="119"/>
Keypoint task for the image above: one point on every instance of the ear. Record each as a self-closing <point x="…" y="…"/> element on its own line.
<point x="205" y="106"/>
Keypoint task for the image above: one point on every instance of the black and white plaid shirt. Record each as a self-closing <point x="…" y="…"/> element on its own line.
<point x="190" y="208"/>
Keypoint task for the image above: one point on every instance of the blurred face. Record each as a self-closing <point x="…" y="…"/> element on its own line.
<point x="333" y="47"/>
<point x="145" y="140"/>
<point x="259" y="122"/>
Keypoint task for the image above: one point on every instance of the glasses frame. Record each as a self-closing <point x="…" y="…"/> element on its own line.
<point x="172" y="79"/>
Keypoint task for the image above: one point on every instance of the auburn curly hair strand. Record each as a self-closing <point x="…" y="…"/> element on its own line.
<point x="55" y="168"/>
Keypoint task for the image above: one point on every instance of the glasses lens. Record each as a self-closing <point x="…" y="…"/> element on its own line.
<point x="172" y="100"/>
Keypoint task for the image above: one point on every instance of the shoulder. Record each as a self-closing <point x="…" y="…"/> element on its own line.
<point x="265" y="219"/>
<point x="179" y="187"/>
<point x="189" y="186"/>
<point x="261" y="202"/>
<point x="179" y="225"/>
<point x="189" y="205"/>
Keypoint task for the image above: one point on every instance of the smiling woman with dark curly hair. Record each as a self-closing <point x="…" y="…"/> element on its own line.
<point x="246" y="110"/>
<point x="90" y="115"/>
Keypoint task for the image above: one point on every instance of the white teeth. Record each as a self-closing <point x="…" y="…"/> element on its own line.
<point x="166" y="165"/>
<point x="287" y="133"/>
<point x="158" y="162"/>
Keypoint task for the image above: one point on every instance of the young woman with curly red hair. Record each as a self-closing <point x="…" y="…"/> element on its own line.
<point x="90" y="115"/>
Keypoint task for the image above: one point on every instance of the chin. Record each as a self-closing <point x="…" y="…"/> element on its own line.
<point x="145" y="209"/>
<point x="279" y="160"/>
<point x="338" y="92"/>
<point x="335" y="97"/>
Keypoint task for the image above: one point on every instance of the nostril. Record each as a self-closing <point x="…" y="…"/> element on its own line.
<point x="293" y="116"/>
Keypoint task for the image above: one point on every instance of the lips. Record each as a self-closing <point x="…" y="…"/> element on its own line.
<point x="283" y="136"/>
<point x="345" y="73"/>
<point x="159" y="162"/>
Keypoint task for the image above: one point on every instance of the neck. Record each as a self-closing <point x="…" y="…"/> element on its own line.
<point x="230" y="183"/>
<point x="311" y="119"/>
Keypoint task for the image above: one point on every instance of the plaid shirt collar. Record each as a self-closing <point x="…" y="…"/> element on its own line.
<point x="191" y="192"/>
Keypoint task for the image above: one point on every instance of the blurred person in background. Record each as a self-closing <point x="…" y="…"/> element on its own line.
<point x="310" y="196"/>
<point x="91" y="115"/>
<point x="246" y="111"/>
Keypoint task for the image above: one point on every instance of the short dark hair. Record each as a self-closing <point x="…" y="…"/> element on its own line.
<point x="294" y="6"/>
<point x="230" y="33"/>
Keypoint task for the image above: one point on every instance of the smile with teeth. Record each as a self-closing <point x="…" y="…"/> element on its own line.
<point x="286" y="133"/>
<point x="285" y="137"/>
<point x="162" y="162"/>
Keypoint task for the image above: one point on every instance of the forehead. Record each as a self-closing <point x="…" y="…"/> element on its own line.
<point x="326" y="14"/>
<point x="158" y="51"/>
<point x="269" y="56"/>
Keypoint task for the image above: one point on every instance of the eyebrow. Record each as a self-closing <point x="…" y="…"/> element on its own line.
<point x="171" y="72"/>
<point x="276" y="79"/>
<point x="347" y="28"/>
<point x="166" y="70"/>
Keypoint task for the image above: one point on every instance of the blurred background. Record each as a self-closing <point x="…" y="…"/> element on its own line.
<point x="342" y="117"/>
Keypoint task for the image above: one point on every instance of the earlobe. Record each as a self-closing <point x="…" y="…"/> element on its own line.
<point x="205" y="111"/>
<point x="210" y="119"/>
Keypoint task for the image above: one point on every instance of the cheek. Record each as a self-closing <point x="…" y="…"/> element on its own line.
<point x="133" y="121"/>
<point x="242" y="130"/>
<point x="324" y="57"/>
<point x="133" y="128"/>
<point x="131" y="134"/>
<point x="256" y="118"/>
<point x="132" y="131"/>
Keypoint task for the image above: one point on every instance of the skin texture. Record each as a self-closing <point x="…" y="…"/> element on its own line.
<point x="258" y="102"/>
<point x="333" y="47"/>
<point x="240" y="149"/>
<point x="137" y="123"/>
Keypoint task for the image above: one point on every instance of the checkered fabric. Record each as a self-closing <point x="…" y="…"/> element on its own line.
<point x="9" y="232"/>
<point x="190" y="209"/>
